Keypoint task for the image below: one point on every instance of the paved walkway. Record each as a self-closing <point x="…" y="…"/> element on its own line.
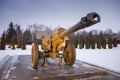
<point x="20" y="69"/>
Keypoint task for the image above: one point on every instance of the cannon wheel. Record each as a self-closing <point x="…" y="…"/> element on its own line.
<point x="70" y="55"/>
<point x="35" y="55"/>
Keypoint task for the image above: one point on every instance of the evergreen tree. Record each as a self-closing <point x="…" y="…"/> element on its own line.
<point x="110" y="43"/>
<point x="115" y="42"/>
<point x="93" y="43"/>
<point x="19" y="36"/>
<point x="24" y="41"/>
<point x="2" y="42"/>
<point x="10" y="33"/>
<point x="98" y="42"/>
<point x="87" y="43"/>
<point x="101" y="34"/>
<point x="81" y="43"/>
<point x="75" y="43"/>
<point x="28" y="36"/>
<point x="103" y="44"/>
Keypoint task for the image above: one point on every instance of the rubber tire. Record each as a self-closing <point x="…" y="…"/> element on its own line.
<point x="35" y="55"/>
<point x="70" y="55"/>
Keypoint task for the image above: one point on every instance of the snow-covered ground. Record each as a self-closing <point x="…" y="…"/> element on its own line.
<point x="17" y="51"/>
<point x="108" y="58"/>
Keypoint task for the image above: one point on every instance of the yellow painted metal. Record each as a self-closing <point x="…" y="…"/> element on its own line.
<point x="53" y="55"/>
<point x="60" y="62"/>
<point x="70" y="55"/>
<point x="35" y="55"/>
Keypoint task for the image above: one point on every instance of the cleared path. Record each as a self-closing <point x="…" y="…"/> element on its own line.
<point x="20" y="69"/>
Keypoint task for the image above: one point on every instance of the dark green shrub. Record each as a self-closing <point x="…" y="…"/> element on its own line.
<point x="110" y="43"/>
<point x="93" y="43"/>
<point x="24" y="42"/>
<point x="99" y="44"/>
<point x="115" y="42"/>
<point x="87" y="43"/>
<point x="81" y="43"/>
<point x="103" y="43"/>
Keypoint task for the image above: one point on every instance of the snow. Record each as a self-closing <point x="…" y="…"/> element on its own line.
<point x="17" y="51"/>
<point x="107" y="58"/>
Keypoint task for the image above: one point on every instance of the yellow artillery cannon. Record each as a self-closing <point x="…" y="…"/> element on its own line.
<point x="57" y="45"/>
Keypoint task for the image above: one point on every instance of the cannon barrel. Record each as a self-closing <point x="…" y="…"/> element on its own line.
<point x="90" y="19"/>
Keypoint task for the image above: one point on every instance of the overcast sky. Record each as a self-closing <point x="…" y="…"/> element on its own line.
<point x="59" y="12"/>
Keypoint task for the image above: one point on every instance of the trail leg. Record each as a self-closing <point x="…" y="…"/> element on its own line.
<point x="60" y="63"/>
<point x="45" y="62"/>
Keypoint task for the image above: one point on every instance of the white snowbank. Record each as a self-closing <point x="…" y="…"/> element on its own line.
<point x="108" y="58"/>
